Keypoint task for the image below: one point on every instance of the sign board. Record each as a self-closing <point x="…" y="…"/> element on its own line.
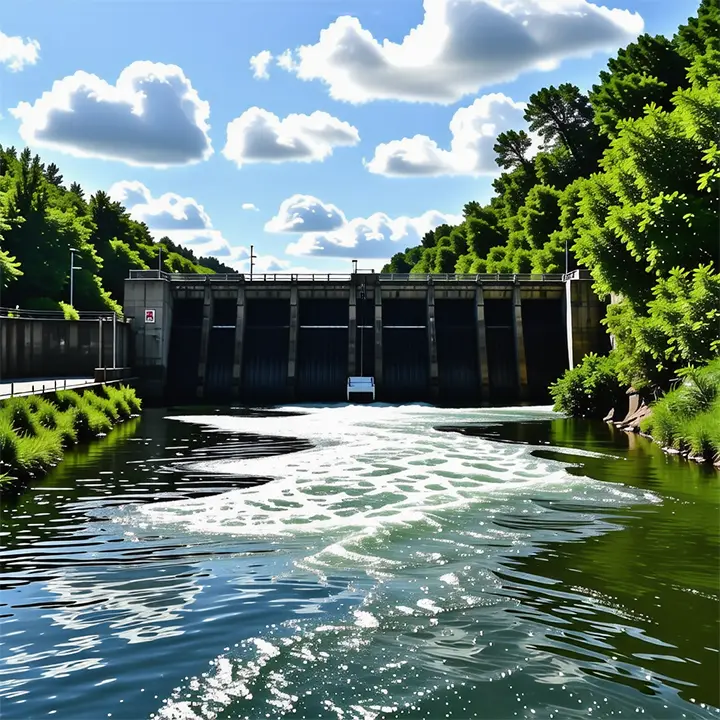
<point x="149" y="316"/>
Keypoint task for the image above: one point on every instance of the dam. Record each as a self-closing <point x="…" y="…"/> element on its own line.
<point x="456" y="340"/>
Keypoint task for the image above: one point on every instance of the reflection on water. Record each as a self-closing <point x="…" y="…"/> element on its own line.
<point x="362" y="562"/>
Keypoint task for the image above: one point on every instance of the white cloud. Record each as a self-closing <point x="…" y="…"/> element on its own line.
<point x="17" y="52"/>
<point x="250" y="206"/>
<point x="376" y="237"/>
<point x="460" y="47"/>
<point x="167" y="212"/>
<point x="264" y="264"/>
<point x="306" y="214"/>
<point x="151" y="116"/>
<point x="261" y="136"/>
<point x="474" y="131"/>
<point x="182" y="219"/>
<point x="259" y="64"/>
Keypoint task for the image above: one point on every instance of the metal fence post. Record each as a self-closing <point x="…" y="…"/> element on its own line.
<point x="114" y="340"/>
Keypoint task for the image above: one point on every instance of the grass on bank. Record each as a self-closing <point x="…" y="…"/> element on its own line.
<point x="35" y="431"/>
<point x="688" y="418"/>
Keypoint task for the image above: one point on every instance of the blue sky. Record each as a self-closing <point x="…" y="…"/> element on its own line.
<point x="348" y="182"/>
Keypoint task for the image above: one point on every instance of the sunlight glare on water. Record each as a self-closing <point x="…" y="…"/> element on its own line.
<point x="417" y="521"/>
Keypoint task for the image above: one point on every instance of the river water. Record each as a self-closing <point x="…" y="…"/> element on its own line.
<point x="362" y="562"/>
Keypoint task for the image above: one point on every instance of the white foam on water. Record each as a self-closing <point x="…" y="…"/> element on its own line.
<point x="371" y="468"/>
<point x="384" y="495"/>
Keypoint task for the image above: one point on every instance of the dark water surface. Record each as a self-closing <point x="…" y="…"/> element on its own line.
<point x="362" y="562"/>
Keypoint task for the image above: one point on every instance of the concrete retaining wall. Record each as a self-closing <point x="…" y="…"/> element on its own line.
<point x="46" y="348"/>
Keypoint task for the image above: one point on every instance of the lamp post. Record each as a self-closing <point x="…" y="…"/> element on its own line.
<point x="73" y="268"/>
<point x="1" y="328"/>
<point x="253" y="257"/>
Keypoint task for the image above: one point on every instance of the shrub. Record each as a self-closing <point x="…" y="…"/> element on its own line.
<point x="131" y="398"/>
<point x="119" y="400"/>
<point x="590" y="389"/>
<point x="8" y="441"/>
<point x="34" y="431"/>
<point x="36" y="453"/>
<point x="89" y="421"/>
<point x="66" y="427"/>
<point x="19" y="412"/>
<point x="703" y="434"/>
<point x="69" y="312"/>
<point x="47" y="414"/>
<point x="103" y="404"/>
<point x="688" y="418"/>
<point x="66" y="399"/>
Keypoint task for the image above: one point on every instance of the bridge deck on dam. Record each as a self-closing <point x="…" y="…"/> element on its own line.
<point x="453" y="339"/>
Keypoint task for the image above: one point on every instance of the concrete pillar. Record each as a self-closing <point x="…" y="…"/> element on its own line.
<point x="378" y="337"/>
<point x="293" y="341"/>
<point x="205" y="338"/>
<point x="520" y="344"/>
<point x="239" y="340"/>
<point x="483" y="367"/>
<point x="432" y="344"/>
<point x="584" y="313"/>
<point x="352" y="329"/>
<point x="151" y="340"/>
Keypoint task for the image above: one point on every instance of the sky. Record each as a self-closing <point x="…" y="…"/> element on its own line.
<point x="317" y="131"/>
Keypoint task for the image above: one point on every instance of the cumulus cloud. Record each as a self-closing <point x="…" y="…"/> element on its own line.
<point x="250" y="206"/>
<point x="459" y="47"/>
<point x="261" y="136"/>
<point x="182" y="219"/>
<point x="17" y="52"/>
<point x="259" y="64"/>
<point x="376" y="237"/>
<point x="474" y="130"/>
<point x="306" y="214"/>
<point x="151" y="116"/>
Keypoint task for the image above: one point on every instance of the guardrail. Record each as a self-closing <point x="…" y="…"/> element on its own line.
<point x="347" y="277"/>
<point x="25" y="314"/>
<point x="27" y="388"/>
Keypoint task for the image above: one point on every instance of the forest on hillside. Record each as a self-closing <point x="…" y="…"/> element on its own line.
<point x="41" y="219"/>
<point x="627" y="180"/>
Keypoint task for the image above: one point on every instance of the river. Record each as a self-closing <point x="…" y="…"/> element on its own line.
<point x="362" y="562"/>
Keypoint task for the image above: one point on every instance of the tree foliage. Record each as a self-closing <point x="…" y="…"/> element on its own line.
<point x="511" y="148"/>
<point x="41" y="221"/>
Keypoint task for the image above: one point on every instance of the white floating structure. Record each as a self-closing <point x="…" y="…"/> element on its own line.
<point x="361" y="389"/>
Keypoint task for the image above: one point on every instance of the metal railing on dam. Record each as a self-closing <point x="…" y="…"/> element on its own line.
<point x="347" y="277"/>
<point x="282" y="337"/>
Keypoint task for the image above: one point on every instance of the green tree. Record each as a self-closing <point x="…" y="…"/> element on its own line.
<point x="692" y="38"/>
<point x="540" y="215"/>
<point x="398" y="264"/>
<point x="41" y="221"/>
<point x="445" y="260"/>
<point x="648" y="71"/>
<point x="511" y="148"/>
<point x="563" y="115"/>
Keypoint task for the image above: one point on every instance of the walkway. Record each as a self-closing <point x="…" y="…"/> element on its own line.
<point x="9" y="388"/>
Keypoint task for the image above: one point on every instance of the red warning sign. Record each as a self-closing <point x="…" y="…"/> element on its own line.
<point x="149" y="316"/>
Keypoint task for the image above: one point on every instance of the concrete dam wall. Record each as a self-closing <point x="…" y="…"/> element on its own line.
<point x="447" y="339"/>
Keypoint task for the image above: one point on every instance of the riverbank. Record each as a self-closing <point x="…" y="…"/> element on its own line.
<point x="35" y="431"/>
<point x="685" y="421"/>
